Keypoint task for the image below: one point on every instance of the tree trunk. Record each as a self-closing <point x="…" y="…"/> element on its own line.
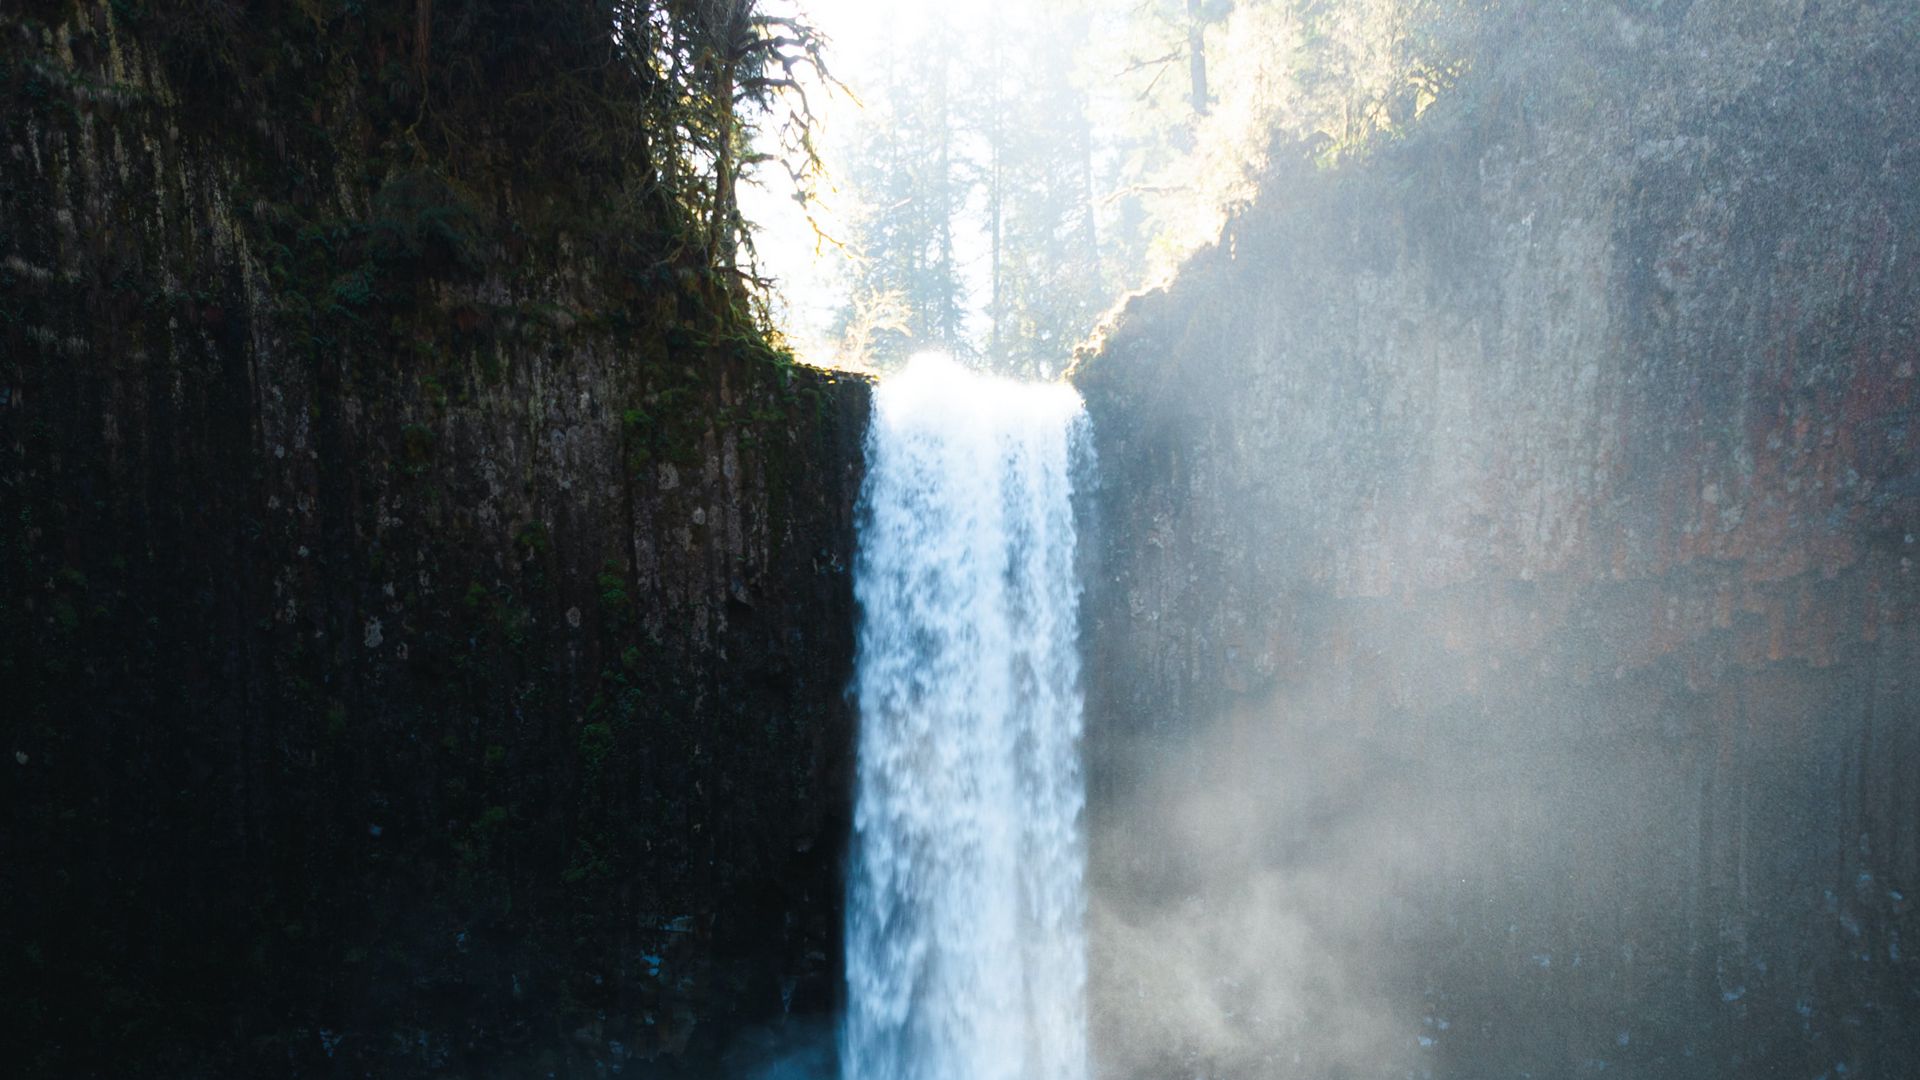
<point x="943" y="208"/>
<point x="723" y="166"/>
<point x="1197" y="58"/>
<point x="995" y="192"/>
<point x="422" y="38"/>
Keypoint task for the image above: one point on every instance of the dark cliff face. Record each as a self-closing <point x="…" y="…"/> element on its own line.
<point x="1503" y="617"/>
<point x="426" y="611"/>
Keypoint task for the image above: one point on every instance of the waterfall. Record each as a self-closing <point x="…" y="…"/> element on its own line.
<point x="966" y="955"/>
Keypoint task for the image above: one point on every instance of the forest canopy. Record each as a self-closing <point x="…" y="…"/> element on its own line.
<point x="1003" y="173"/>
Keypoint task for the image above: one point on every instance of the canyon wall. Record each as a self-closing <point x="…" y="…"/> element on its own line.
<point x="1502" y="610"/>
<point x="427" y="615"/>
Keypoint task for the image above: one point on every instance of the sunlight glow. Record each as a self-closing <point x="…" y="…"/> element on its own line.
<point x="803" y="247"/>
<point x="1000" y="175"/>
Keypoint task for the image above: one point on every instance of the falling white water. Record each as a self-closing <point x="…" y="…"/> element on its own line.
<point x="966" y="950"/>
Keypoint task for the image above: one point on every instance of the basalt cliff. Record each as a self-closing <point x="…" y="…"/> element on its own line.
<point x="1503" y="606"/>
<point x="426" y="600"/>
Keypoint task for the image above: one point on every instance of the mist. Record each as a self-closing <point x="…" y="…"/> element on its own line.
<point x="1390" y="873"/>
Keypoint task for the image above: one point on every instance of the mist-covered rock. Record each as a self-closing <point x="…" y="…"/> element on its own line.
<point x="1502" y="603"/>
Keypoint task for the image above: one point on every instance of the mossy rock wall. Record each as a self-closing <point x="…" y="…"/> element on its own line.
<point x="426" y="603"/>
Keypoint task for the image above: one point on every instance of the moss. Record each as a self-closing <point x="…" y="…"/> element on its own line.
<point x="477" y="596"/>
<point x="66" y="618"/>
<point x="417" y="441"/>
<point x="533" y="540"/>
<point x="596" y="742"/>
<point x="614" y="599"/>
<point x="588" y="865"/>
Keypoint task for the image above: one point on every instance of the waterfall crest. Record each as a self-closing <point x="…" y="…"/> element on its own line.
<point x="966" y="955"/>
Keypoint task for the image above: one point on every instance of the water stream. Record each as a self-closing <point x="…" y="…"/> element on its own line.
<point x="966" y="955"/>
